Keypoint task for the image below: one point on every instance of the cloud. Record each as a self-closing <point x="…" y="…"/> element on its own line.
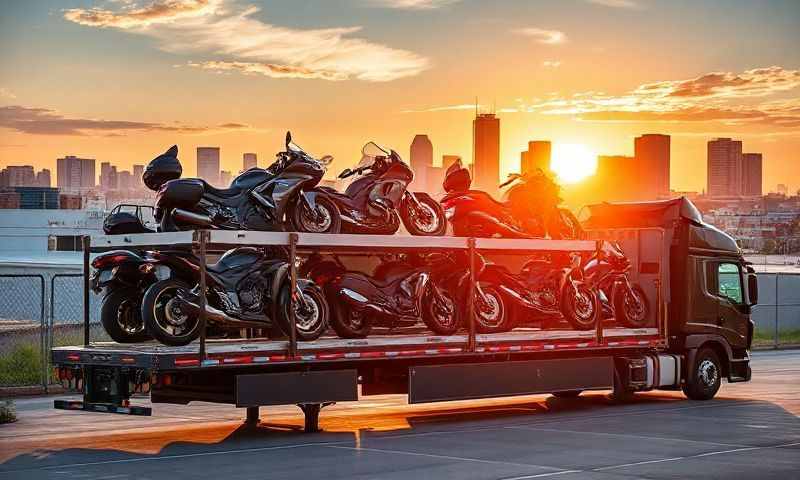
<point x="267" y="69"/>
<point x="6" y="93"/>
<point x="43" y="121"/>
<point x="616" y="3"/>
<point x="412" y="4"/>
<point x="713" y="97"/>
<point x="551" y="63"/>
<point x="238" y="41"/>
<point x="549" y="37"/>
<point x="445" y="108"/>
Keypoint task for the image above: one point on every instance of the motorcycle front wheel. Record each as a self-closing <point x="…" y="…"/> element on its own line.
<point x="491" y="312"/>
<point x="631" y="307"/>
<point x="427" y="220"/>
<point x="121" y="315"/>
<point x="311" y="320"/>
<point x="349" y="322"/>
<point x="579" y="305"/>
<point x="441" y="314"/>
<point x="325" y="218"/>
<point x="164" y="319"/>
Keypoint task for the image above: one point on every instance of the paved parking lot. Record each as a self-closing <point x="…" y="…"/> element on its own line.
<point x="750" y="431"/>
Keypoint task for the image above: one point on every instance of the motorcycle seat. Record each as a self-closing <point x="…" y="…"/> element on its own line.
<point x="221" y="192"/>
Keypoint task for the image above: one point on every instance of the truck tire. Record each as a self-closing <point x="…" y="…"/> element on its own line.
<point x="121" y="315"/>
<point x="706" y="376"/>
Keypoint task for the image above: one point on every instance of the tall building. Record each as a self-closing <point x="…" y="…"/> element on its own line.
<point x="109" y="177"/>
<point x="19" y="176"/>
<point x="486" y="152"/>
<point x="43" y="178"/>
<point x="75" y="174"/>
<point x="249" y="160"/>
<point x="208" y="164"/>
<point x="421" y="160"/>
<point x="651" y="151"/>
<point x="138" y="171"/>
<point x="124" y="180"/>
<point x="536" y="157"/>
<point x="751" y="174"/>
<point x="224" y="178"/>
<point x="724" y="168"/>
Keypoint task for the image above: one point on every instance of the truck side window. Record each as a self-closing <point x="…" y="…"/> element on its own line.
<point x="730" y="282"/>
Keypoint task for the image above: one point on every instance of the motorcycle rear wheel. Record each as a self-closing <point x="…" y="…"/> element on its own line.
<point x="349" y="322"/>
<point x="163" y="320"/>
<point x="494" y="316"/>
<point x="421" y="225"/>
<point x="436" y="319"/>
<point x="121" y="315"/>
<point x="579" y="307"/>
<point x="630" y="307"/>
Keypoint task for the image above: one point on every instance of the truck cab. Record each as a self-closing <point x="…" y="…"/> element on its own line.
<point x="708" y="293"/>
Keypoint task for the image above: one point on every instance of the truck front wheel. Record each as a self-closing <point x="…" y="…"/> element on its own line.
<point x="706" y="376"/>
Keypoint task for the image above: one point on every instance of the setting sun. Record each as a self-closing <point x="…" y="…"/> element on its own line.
<point x="572" y="162"/>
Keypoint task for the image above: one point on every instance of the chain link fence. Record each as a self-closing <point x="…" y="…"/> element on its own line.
<point x="38" y="312"/>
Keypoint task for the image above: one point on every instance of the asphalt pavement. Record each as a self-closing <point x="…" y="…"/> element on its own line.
<point x="751" y="430"/>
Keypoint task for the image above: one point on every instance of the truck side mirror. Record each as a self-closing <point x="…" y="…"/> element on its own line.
<point x="752" y="289"/>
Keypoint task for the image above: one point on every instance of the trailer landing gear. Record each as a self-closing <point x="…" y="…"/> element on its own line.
<point x="311" y="412"/>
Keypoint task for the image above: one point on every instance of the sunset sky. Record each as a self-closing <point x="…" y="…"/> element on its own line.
<point x="121" y="81"/>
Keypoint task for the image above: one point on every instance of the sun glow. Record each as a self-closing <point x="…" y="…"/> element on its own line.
<point x="572" y="162"/>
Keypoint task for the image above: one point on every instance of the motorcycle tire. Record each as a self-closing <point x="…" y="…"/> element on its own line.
<point x="121" y="316"/>
<point x="436" y="320"/>
<point x="308" y="325"/>
<point x="579" y="308"/>
<point x="437" y="229"/>
<point x="623" y="312"/>
<point x="332" y="217"/>
<point x="158" y="319"/>
<point x="348" y="322"/>
<point x="493" y="318"/>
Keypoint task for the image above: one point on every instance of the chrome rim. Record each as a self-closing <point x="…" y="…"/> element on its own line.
<point x="444" y="311"/>
<point x="707" y="373"/>
<point x="427" y="221"/>
<point x="169" y="316"/>
<point x="634" y="306"/>
<point x="490" y="311"/>
<point x="306" y="318"/>
<point x="317" y="222"/>
<point x="584" y="307"/>
<point x="127" y="318"/>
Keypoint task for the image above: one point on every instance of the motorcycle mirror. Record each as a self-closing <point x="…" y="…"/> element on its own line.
<point x="346" y="173"/>
<point x="288" y="139"/>
<point x="326" y="160"/>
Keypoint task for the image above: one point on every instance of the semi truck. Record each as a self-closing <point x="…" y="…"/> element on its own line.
<point x="699" y="331"/>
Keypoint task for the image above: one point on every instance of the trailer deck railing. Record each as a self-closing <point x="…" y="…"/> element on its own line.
<point x="203" y="242"/>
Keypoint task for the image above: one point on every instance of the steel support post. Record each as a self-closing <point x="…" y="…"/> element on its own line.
<point x="201" y="237"/>
<point x="598" y="313"/>
<point x="471" y="295"/>
<point x="293" y="237"/>
<point x="86" y="245"/>
<point x="252" y="416"/>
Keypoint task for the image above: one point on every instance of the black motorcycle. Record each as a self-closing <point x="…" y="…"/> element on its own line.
<point x="124" y="276"/>
<point x="619" y="297"/>
<point x="377" y="200"/>
<point x="399" y="293"/>
<point x="258" y="199"/>
<point x="246" y="288"/>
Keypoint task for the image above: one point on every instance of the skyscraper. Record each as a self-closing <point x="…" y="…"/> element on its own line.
<point x="43" y="178"/>
<point x="75" y="174"/>
<point x="124" y="180"/>
<point x="537" y="156"/>
<point x="249" y="160"/>
<point x="486" y="152"/>
<point x="751" y="174"/>
<point x="651" y="151"/>
<point x="421" y="160"/>
<point x="109" y="179"/>
<point x="20" y="176"/>
<point x="724" y="168"/>
<point x="208" y="164"/>
<point x="138" y="171"/>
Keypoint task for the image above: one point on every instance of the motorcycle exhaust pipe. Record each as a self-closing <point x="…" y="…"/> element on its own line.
<point x="191" y="217"/>
<point x="216" y="315"/>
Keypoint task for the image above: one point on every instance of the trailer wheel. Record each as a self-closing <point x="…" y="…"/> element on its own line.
<point x="706" y="376"/>
<point x="349" y="322"/>
<point x="567" y="393"/>
<point x="121" y="315"/>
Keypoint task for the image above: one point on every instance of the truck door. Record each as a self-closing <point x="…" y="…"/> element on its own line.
<point x="731" y="309"/>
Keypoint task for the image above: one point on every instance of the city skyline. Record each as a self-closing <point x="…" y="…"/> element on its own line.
<point x="66" y="87"/>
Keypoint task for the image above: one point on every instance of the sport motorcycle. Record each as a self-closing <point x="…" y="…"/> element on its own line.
<point x="246" y="288"/>
<point x="258" y="199"/>
<point x="376" y="199"/>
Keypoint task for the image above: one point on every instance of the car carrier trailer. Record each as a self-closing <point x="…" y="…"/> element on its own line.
<point x="672" y="352"/>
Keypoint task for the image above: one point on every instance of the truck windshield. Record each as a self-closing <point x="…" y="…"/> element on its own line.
<point x="730" y="282"/>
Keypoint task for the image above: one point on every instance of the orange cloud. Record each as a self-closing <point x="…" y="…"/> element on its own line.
<point x="413" y="4"/>
<point x="550" y="37"/>
<point x="221" y="28"/>
<point x="43" y="121"/>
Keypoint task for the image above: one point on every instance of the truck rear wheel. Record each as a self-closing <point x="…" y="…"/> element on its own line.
<point x="706" y="376"/>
